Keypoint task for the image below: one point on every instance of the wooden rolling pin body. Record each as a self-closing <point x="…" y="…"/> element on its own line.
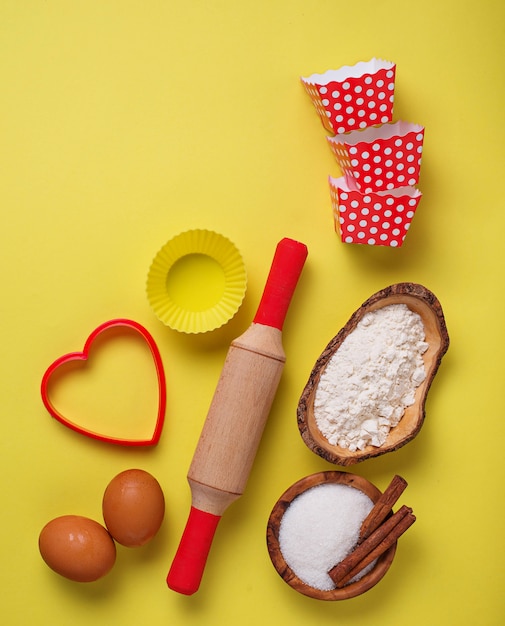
<point x="236" y="418"/>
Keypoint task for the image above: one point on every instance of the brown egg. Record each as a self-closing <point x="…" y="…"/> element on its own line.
<point x="77" y="548"/>
<point x="133" y="507"/>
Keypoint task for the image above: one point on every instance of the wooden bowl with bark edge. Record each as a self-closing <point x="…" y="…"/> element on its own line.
<point x="351" y="590"/>
<point x="418" y="299"/>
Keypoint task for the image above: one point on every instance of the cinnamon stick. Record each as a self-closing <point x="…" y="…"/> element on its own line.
<point x="382" y="507"/>
<point x="376" y="544"/>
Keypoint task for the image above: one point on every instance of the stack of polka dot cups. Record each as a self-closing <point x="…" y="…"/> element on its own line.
<point x="376" y="198"/>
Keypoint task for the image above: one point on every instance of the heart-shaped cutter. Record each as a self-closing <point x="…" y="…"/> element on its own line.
<point x="83" y="356"/>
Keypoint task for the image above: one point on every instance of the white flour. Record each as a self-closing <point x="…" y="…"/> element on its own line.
<point x="371" y="378"/>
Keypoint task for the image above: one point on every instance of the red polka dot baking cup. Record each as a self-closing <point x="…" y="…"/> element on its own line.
<point x="353" y="97"/>
<point x="380" y="157"/>
<point x="380" y="218"/>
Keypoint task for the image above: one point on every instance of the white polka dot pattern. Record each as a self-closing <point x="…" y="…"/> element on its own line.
<point x="378" y="218"/>
<point x="356" y="102"/>
<point x="376" y="198"/>
<point x="390" y="158"/>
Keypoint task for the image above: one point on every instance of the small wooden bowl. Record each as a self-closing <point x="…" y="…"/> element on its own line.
<point x="418" y="299"/>
<point x="351" y="590"/>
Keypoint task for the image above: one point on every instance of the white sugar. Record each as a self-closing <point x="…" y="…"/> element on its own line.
<point x="319" y="528"/>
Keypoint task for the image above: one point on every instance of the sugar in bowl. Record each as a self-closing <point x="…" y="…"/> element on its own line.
<point x="316" y="526"/>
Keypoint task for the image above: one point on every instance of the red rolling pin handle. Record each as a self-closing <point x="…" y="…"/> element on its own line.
<point x="187" y="568"/>
<point x="189" y="562"/>
<point x="286" y="268"/>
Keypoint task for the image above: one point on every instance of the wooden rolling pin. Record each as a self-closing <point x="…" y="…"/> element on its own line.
<point x="236" y="419"/>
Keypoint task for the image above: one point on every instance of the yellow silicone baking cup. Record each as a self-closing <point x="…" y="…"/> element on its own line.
<point x="196" y="282"/>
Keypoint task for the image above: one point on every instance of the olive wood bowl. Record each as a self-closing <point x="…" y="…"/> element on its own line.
<point x="418" y="299"/>
<point x="352" y="589"/>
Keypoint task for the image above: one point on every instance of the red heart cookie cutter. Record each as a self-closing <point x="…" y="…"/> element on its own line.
<point x="83" y="356"/>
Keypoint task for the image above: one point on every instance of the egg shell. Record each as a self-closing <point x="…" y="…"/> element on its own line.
<point x="77" y="548"/>
<point x="133" y="507"/>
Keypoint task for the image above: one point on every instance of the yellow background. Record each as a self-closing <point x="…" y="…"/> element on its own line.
<point x="123" y="123"/>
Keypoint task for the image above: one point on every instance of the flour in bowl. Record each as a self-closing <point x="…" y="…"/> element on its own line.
<point x="371" y="379"/>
